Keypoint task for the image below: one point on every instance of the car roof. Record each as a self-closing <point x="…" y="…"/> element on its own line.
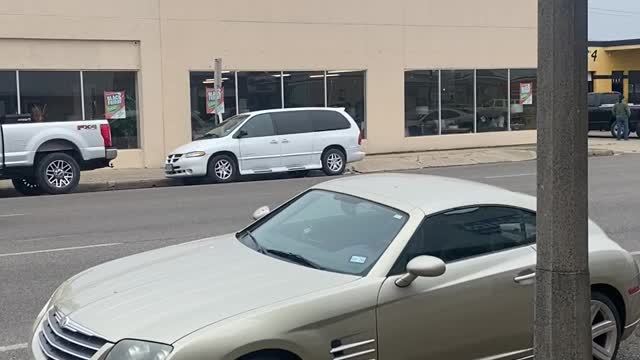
<point x="269" y="111"/>
<point x="429" y="193"/>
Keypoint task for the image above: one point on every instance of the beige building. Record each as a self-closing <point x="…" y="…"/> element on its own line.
<point x="416" y="74"/>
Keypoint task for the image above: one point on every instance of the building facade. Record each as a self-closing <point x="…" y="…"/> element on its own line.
<point x="415" y="74"/>
<point x="615" y="66"/>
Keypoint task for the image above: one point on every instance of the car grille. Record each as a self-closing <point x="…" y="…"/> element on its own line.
<point x="173" y="158"/>
<point x="60" y="341"/>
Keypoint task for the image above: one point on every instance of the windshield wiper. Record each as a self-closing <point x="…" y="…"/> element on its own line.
<point x="255" y="242"/>
<point x="297" y="258"/>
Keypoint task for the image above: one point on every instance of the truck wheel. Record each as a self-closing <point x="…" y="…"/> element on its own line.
<point x="57" y="173"/>
<point x="27" y="186"/>
<point x="614" y="129"/>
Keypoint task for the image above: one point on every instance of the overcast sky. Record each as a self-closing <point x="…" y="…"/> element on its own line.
<point x="614" y="19"/>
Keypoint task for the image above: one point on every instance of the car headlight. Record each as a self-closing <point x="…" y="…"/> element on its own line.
<point x="139" y="350"/>
<point x="195" y="154"/>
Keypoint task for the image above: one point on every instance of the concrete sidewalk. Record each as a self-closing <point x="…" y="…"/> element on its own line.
<point x="120" y="179"/>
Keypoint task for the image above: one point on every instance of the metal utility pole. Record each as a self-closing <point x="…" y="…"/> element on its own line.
<point x="217" y="79"/>
<point x="562" y="306"/>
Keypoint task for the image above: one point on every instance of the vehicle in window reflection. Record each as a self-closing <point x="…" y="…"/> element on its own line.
<point x="385" y="266"/>
<point x="270" y="141"/>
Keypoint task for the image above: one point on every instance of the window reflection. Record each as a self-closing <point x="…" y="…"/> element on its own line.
<point x="124" y="126"/>
<point x="201" y="121"/>
<point x="304" y="89"/>
<point x="524" y="95"/>
<point x="259" y="91"/>
<point x="421" y="103"/>
<point x="457" y="101"/>
<point x="8" y="93"/>
<point x="492" y="100"/>
<point x="347" y="89"/>
<point x="51" y="95"/>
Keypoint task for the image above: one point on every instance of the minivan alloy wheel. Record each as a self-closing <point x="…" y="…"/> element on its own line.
<point x="334" y="162"/>
<point x="223" y="169"/>
<point x="604" y="331"/>
<point x="59" y="174"/>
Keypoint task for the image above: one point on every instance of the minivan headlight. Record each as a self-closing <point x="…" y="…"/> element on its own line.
<point x="139" y="350"/>
<point x="195" y="154"/>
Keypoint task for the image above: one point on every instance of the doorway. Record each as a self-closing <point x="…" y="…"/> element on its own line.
<point x="634" y="87"/>
<point x="617" y="81"/>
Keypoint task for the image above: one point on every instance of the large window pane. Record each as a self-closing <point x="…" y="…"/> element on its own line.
<point x="8" y="93"/>
<point x="524" y="97"/>
<point x="303" y="89"/>
<point x="100" y="84"/>
<point x="421" y="113"/>
<point x="201" y="122"/>
<point x="259" y="91"/>
<point x="492" y="100"/>
<point x="51" y="95"/>
<point x="457" y="101"/>
<point x="347" y="89"/>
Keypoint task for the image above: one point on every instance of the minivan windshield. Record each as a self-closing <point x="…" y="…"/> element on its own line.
<point x="224" y="128"/>
<point x="328" y="231"/>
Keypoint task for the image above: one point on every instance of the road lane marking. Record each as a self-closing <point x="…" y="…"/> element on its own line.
<point x="10" y="215"/>
<point x="508" y="176"/>
<point x="59" y="249"/>
<point x="13" y="347"/>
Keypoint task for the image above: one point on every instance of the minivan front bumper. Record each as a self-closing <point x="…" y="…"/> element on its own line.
<point x="186" y="167"/>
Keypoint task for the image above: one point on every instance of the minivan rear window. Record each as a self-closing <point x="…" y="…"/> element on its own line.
<point x="328" y="120"/>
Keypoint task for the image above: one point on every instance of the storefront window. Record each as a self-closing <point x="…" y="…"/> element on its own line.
<point x="203" y="120"/>
<point x="492" y="111"/>
<point x="259" y="91"/>
<point x="524" y="95"/>
<point x="421" y="110"/>
<point x="51" y="95"/>
<point x="8" y="93"/>
<point x="457" y="101"/>
<point x="118" y="89"/>
<point x="303" y="89"/>
<point x="347" y="89"/>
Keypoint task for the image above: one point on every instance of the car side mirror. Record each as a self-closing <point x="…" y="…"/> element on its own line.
<point x="422" y="266"/>
<point x="241" y="134"/>
<point x="261" y="212"/>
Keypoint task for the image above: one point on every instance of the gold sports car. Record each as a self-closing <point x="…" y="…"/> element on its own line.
<point x="385" y="267"/>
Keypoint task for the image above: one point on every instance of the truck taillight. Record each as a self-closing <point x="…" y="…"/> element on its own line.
<point x="105" y="130"/>
<point x="360" y="138"/>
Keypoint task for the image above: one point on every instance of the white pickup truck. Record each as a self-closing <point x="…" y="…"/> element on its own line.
<point x="48" y="157"/>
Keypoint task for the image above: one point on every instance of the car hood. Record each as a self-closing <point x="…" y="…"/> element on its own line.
<point x="198" y="145"/>
<point x="165" y="294"/>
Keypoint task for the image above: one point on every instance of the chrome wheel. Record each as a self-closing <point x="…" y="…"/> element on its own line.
<point x="604" y="331"/>
<point x="223" y="169"/>
<point x="334" y="162"/>
<point x="59" y="174"/>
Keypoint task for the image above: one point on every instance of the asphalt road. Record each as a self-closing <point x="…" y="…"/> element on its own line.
<point x="44" y="240"/>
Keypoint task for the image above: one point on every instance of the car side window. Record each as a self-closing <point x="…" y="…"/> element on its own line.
<point x="258" y="126"/>
<point x="292" y="122"/>
<point x="448" y="114"/>
<point x="469" y="232"/>
<point x="326" y="120"/>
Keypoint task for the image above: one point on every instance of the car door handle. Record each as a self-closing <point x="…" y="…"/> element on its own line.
<point x="526" y="278"/>
<point x="273" y="141"/>
<point x="285" y="141"/>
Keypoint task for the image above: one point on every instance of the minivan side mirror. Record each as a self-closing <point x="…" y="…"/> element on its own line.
<point x="422" y="266"/>
<point x="241" y="133"/>
<point x="261" y="212"/>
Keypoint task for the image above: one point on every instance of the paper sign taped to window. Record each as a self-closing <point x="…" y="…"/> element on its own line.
<point x="114" y="105"/>
<point x="526" y="94"/>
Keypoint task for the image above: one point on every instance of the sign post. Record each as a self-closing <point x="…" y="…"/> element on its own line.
<point x="219" y="106"/>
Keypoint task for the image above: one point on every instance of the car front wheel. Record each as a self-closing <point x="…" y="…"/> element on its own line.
<point x="606" y="327"/>
<point x="223" y="169"/>
<point x="57" y="173"/>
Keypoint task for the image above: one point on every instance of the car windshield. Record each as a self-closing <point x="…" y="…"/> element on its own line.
<point x="224" y="128"/>
<point x="328" y="231"/>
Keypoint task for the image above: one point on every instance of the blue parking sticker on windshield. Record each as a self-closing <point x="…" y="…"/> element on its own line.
<point x="358" y="259"/>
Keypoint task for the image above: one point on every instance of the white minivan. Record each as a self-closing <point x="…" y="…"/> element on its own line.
<point x="270" y="141"/>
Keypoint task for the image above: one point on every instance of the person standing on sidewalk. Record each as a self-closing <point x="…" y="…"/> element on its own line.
<point x="622" y="113"/>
